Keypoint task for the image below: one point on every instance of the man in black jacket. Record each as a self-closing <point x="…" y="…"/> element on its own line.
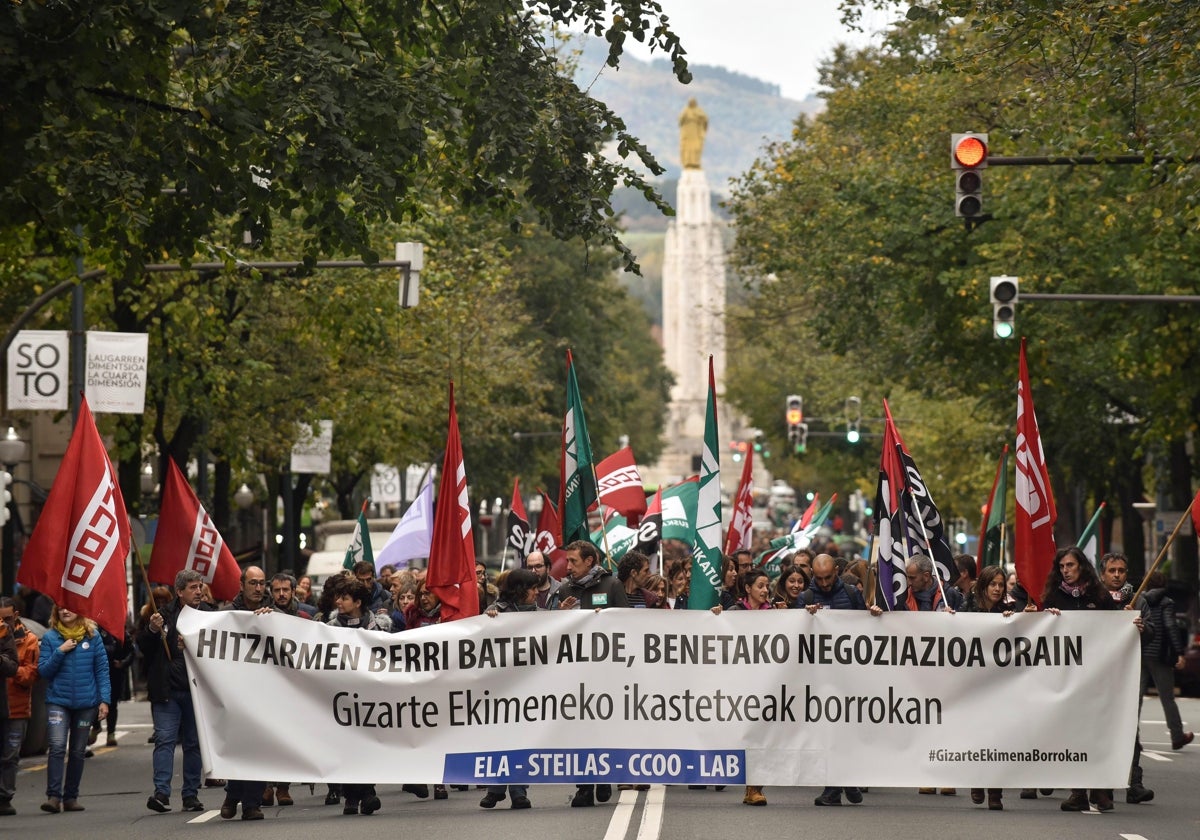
<point x="589" y="586"/>
<point x="170" y="700"/>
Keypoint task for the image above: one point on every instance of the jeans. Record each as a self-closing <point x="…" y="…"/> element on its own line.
<point x="10" y="756"/>
<point x="175" y="723"/>
<point x="63" y="724"/>
<point x="517" y="791"/>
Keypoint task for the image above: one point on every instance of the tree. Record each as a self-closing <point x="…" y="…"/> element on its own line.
<point x="902" y="287"/>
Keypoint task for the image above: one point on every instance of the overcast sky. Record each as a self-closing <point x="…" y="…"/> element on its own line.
<point x="778" y="41"/>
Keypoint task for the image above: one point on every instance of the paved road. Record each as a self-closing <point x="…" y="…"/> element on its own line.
<point x="117" y="781"/>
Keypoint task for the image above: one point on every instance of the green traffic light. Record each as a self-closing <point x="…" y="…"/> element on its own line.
<point x="852" y="436"/>
<point x="1004" y="329"/>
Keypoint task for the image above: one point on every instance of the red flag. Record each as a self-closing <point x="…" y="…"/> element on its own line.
<point x="187" y="539"/>
<point x="808" y="514"/>
<point x="1196" y="513"/>
<point x="451" y="573"/>
<point x="620" y="485"/>
<point x="549" y="538"/>
<point x="741" y="525"/>
<point x="77" y="553"/>
<point x="1034" y="538"/>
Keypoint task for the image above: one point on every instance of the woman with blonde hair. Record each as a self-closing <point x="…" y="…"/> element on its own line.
<point x="74" y="665"/>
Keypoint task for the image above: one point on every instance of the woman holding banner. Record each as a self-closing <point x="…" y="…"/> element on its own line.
<point x="988" y="596"/>
<point x="1073" y="585"/>
<point x="75" y="667"/>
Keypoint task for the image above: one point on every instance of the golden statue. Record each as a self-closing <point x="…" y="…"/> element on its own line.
<point x="693" y="125"/>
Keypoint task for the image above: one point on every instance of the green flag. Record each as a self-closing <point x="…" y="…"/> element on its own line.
<point x="360" y="543"/>
<point x="577" y="473"/>
<point x="1089" y="540"/>
<point x="990" y="550"/>
<point x="705" y="592"/>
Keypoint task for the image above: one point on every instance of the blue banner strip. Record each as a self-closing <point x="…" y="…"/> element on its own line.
<point x="543" y="766"/>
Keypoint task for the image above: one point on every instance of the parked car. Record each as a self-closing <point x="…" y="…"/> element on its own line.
<point x="1187" y="679"/>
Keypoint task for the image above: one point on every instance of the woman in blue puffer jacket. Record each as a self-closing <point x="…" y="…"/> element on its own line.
<point x="75" y="667"/>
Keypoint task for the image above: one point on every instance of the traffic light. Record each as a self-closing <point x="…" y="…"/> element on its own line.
<point x="1004" y="306"/>
<point x="968" y="155"/>
<point x="5" y="495"/>
<point x="758" y="442"/>
<point x="794" y="415"/>
<point x="853" y="418"/>
<point x="800" y="441"/>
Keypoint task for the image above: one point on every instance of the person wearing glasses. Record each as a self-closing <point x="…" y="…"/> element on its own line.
<point x="547" y="595"/>
<point x="252" y="794"/>
<point x="829" y="592"/>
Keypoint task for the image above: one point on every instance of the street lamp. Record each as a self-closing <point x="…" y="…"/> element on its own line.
<point x="13" y="451"/>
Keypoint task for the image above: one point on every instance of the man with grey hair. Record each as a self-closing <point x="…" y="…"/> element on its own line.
<point x="925" y="594"/>
<point x="170" y="700"/>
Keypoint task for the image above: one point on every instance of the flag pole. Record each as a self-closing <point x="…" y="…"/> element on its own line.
<point x="133" y="547"/>
<point x="1165" y="548"/>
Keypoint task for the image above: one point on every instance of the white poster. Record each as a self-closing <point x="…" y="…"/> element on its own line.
<point x="39" y="370"/>
<point x="385" y="485"/>
<point x="311" y="453"/>
<point x="116" y="372"/>
<point x="683" y="697"/>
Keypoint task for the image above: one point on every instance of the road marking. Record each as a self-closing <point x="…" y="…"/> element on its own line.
<point x="622" y="814"/>
<point x="1132" y="836"/>
<point x="652" y="813"/>
<point x="1157" y="756"/>
<point x="205" y="817"/>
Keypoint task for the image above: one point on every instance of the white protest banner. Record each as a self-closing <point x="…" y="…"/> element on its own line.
<point x="312" y="453"/>
<point x="116" y="372"/>
<point x="774" y="697"/>
<point x="39" y="370"/>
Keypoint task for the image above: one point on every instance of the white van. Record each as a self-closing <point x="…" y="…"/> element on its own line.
<point x="333" y="538"/>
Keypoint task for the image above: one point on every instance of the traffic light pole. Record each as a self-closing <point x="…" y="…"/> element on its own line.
<point x="1085" y="160"/>
<point x="1111" y="298"/>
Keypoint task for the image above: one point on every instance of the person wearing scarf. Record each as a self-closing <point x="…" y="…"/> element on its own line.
<point x="352" y="603"/>
<point x="74" y="664"/>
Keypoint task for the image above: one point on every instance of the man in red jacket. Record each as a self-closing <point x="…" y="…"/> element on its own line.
<point x="19" y="688"/>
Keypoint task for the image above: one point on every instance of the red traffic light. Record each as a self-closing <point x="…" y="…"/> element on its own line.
<point x="970" y="151"/>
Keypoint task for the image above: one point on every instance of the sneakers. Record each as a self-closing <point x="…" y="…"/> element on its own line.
<point x="419" y="791"/>
<point x="520" y="803"/>
<point x="192" y="803"/>
<point x="283" y="795"/>
<point x="754" y="796"/>
<point x="440" y="792"/>
<point x="252" y="813"/>
<point x="603" y="793"/>
<point x="370" y="805"/>
<point x="854" y="796"/>
<point x="583" y="798"/>
<point x="51" y="805"/>
<point x="333" y="797"/>
<point x="159" y="802"/>
<point x="1182" y="741"/>
<point x="490" y="800"/>
<point x="229" y="809"/>
<point x="1137" y="794"/>
<point x="829" y="797"/>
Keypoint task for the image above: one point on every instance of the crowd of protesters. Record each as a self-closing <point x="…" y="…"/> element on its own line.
<point x="88" y="671"/>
